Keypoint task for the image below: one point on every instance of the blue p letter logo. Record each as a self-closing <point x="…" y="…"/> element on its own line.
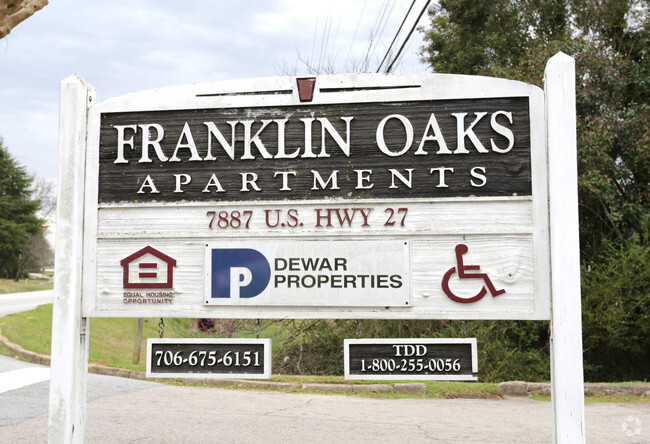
<point x="239" y="273"/>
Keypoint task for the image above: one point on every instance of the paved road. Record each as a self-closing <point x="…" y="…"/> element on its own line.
<point x="126" y="411"/>
<point x="24" y="391"/>
<point x="16" y="302"/>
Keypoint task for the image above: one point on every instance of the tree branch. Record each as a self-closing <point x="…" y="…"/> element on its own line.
<point x="13" y="12"/>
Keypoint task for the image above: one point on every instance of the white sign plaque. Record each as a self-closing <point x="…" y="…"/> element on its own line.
<point x="308" y="273"/>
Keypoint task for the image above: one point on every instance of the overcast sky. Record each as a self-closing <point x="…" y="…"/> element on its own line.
<point x="122" y="46"/>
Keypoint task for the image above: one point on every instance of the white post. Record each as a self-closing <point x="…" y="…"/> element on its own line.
<point x="567" y="382"/>
<point x="69" y="366"/>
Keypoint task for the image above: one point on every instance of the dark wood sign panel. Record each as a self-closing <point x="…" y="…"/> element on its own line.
<point x="406" y="360"/>
<point x="207" y="358"/>
<point x="430" y="149"/>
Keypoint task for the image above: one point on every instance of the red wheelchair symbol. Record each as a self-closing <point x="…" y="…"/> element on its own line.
<point x="462" y="270"/>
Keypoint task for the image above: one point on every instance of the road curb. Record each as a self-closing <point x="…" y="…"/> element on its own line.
<point x="505" y="389"/>
<point x="19" y="352"/>
<point x="416" y="389"/>
<point x="522" y="388"/>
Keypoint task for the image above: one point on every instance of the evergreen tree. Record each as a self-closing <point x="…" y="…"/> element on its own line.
<point x="609" y="40"/>
<point x="18" y="218"/>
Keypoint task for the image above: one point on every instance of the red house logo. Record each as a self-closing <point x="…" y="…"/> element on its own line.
<point x="148" y="268"/>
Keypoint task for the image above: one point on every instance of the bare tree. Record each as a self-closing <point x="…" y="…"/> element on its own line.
<point x="13" y="12"/>
<point x="329" y="65"/>
<point x="45" y="192"/>
<point x="36" y="254"/>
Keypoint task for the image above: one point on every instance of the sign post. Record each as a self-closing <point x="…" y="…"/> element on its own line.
<point x="69" y="365"/>
<point x="361" y="197"/>
<point x="567" y="382"/>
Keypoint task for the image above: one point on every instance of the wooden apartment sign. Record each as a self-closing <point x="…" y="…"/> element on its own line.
<point x="426" y="196"/>
<point x="401" y="196"/>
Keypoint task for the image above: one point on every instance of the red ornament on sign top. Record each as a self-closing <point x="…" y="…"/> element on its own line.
<point x="306" y="87"/>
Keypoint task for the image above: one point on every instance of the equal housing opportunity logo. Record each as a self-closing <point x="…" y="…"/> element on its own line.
<point x="148" y="277"/>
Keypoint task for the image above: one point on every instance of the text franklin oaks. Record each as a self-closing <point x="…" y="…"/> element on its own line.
<point x="391" y="150"/>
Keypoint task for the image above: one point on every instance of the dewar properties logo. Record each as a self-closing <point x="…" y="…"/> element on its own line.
<point x="239" y="273"/>
<point x="148" y="269"/>
<point x="314" y="273"/>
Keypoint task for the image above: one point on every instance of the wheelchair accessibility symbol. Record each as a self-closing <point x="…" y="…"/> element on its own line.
<point x="462" y="271"/>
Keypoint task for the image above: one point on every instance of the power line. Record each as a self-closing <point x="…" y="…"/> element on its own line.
<point x="363" y="8"/>
<point x="383" y="28"/>
<point x="327" y="41"/>
<point x="375" y="28"/>
<point x="324" y="39"/>
<point x="313" y="40"/>
<point x="336" y="35"/>
<point x="426" y="5"/>
<point x="396" y="34"/>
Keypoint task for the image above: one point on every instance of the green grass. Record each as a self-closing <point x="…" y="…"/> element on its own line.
<point x="23" y="285"/>
<point x="112" y="340"/>
<point x="31" y="329"/>
<point x="112" y="343"/>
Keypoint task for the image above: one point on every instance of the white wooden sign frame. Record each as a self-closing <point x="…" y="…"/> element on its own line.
<point x="507" y="235"/>
<point x="79" y="255"/>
